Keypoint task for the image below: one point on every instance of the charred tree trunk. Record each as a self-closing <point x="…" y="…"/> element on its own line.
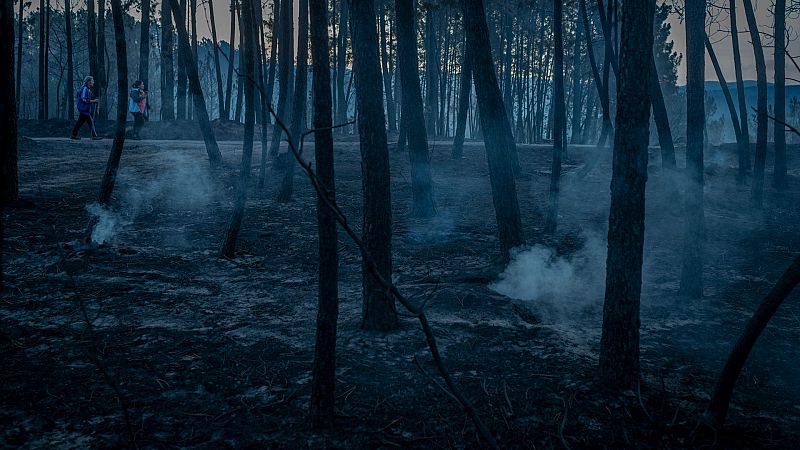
<point x="217" y="68"/>
<point x="299" y="102"/>
<point x="463" y="102"/>
<point x="744" y="142"/>
<point x="694" y="227"/>
<point x="602" y="92"/>
<point x="408" y="65"/>
<point x="661" y="119"/>
<point x="91" y="23"/>
<point x="721" y="398"/>
<point x="248" y="46"/>
<point x="560" y="119"/>
<point x="780" y="93"/>
<point x="42" y="98"/>
<point x="619" y="345"/>
<point x="499" y="142"/>
<point x="70" y="63"/>
<point x="231" y="59"/>
<point x="9" y="172"/>
<point x="285" y="66"/>
<point x="214" y="156"/>
<point x="378" y="310"/>
<point x="167" y="66"/>
<point x="762" y="119"/>
<point x="112" y="166"/>
<point x="276" y="12"/>
<point x="726" y="92"/>
<point x="323" y="378"/>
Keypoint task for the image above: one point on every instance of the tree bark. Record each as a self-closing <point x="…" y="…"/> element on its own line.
<point x="9" y="172"/>
<point x="42" y="98"/>
<point x="762" y="119"/>
<point x="431" y="71"/>
<point x="181" y="96"/>
<point x="560" y="119"/>
<point x="285" y="66"/>
<point x="144" y="44"/>
<point x="214" y="155"/>
<point x="341" y="67"/>
<point x="276" y="13"/>
<point x="101" y="78"/>
<point x="19" y="51"/>
<point x="577" y="88"/>
<point x="248" y="46"/>
<point x="661" y="119"/>
<point x="323" y="378"/>
<point x="694" y="228"/>
<point x="408" y="65"/>
<point x="231" y="59"/>
<point x="387" y="74"/>
<point x="619" y="345"/>
<point x="167" y="66"/>
<point x="378" y="310"/>
<point x="780" y="94"/>
<point x="744" y="142"/>
<point x="299" y="103"/>
<point x="499" y="141"/>
<point x="112" y="166"/>
<point x="721" y="398"/>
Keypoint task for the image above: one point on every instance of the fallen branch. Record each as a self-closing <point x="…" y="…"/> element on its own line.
<point x="371" y="265"/>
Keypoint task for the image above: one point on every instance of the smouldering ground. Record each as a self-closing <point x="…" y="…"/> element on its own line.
<point x="154" y="339"/>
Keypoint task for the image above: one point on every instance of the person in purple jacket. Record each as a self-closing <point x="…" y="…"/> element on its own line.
<point x="85" y="105"/>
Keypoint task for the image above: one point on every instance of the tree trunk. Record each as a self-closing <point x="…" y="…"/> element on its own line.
<point x="20" y="29"/>
<point x="560" y="119"/>
<point x="744" y="142"/>
<point x="577" y="93"/>
<point x="725" y="91"/>
<point x="431" y="72"/>
<point x="387" y="75"/>
<point x="761" y="124"/>
<point x="323" y="378"/>
<point x="101" y="78"/>
<point x="619" y="345"/>
<point x="231" y="59"/>
<point x="408" y="65"/>
<point x="144" y="45"/>
<point x="285" y="66"/>
<point x="217" y="68"/>
<point x="721" y="398"/>
<point x="247" y="45"/>
<point x="378" y="310"/>
<point x="190" y="111"/>
<point x="602" y="92"/>
<point x="341" y="67"/>
<point x="167" y="66"/>
<point x="694" y="227"/>
<point x="112" y="166"/>
<point x="181" y="96"/>
<point x="661" y="119"/>
<point x="70" y="91"/>
<point x="463" y="101"/>
<point x="499" y="141"/>
<point x="42" y="98"/>
<point x="214" y="156"/>
<point x="780" y="94"/>
<point x="276" y="10"/>
<point x="9" y="172"/>
<point x="299" y="102"/>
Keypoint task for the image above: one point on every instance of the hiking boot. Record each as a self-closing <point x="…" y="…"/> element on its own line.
<point x="96" y="138"/>
<point x="75" y="138"/>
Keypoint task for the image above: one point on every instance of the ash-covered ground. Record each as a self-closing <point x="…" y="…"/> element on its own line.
<point x="153" y="341"/>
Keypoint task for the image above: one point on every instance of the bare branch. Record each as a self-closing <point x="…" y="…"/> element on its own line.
<point x="789" y="128"/>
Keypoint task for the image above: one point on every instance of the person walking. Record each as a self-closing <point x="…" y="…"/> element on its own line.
<point x="85" y="106"/>
<point x="137" y="105"/>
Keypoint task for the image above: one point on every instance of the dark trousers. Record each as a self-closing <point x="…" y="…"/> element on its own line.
<point x="138" y="123"/>
<point x="84" y="118"/>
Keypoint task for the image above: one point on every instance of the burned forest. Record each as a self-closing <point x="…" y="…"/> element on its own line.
<point x="377" y="224"/>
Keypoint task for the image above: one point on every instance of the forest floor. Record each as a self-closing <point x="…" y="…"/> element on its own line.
<point x="153" y="341"/>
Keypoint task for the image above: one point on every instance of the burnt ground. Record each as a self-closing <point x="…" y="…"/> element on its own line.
<point x="153" y="341"/>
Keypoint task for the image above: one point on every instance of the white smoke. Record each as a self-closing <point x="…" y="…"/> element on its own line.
<point x="564" y="292"/>
<point x="180" y="183"/>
